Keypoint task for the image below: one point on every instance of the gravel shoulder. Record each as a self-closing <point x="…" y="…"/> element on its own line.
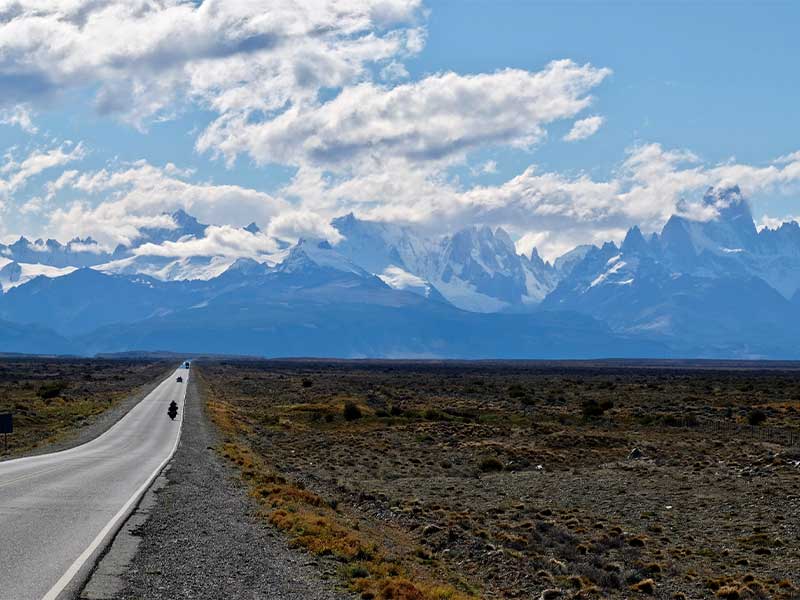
<point x="204" y="539"/>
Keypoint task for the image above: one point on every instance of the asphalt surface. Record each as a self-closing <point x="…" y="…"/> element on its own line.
<point x="58" y="511"/>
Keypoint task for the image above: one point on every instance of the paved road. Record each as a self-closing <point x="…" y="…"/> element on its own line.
<point x="58" y="510"/>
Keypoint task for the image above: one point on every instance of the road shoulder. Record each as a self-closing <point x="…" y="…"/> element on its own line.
<point x="197" y="534"/>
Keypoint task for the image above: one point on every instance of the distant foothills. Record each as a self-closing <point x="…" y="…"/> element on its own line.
<point x="698" y="289"/>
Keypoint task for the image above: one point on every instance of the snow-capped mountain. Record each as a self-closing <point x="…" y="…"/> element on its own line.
<point x="132" y="260"/>
<point x="475" y="269"/>
<point x="78" y="253"/>
<point x="168" y="268"/>
<point x="308" y="255"/>
<point x="727" y="245"/>
<point x="711" y="285"/>
<point x="700" y="280"/>
<point x="13" y="274"/>
<point x="183" y="225"/>
<point x="75" y="253"/>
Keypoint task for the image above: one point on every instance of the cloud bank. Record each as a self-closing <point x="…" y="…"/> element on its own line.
<point x="323" y="87"/>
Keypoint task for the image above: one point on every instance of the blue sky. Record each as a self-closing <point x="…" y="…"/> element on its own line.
<point x="689" y="95"/>
<point x="714" y="77"/>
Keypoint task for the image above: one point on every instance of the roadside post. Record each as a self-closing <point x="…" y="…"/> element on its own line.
<point x="6" y="427"/>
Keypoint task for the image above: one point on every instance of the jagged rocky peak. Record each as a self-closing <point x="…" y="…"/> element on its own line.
<point x="733" y="208"/>
<point x="634" y="241"/>
<point x="184" y="225"/>
<point x="483" y="244"/>
<point x="346" y="221"/>
<point x="565" y="263"/>
<point x="182" y="218"/>
<point x="253" y="228"/>
<point x="728" y="227"/>
<point x="248" y="267"/>
<point x="536" y="260"/>
<point x="501" y="235"/>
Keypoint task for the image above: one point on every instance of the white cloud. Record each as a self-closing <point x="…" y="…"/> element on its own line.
<point x="230" y="55"/>
<point x="222" y="240"/>
<point x="15" y="174"/>
<point x="127" y="199"/>
<point x="394" y="71"/>
<point x="550" y="245"/>
<point x="382" y="150"/>
<point x="437" y="119"/>
<point x="559" y="210"/>
<point x="487" y="168"/>
<point x="20" y="116"/>
<point x="767" y="222"/>
<point x="295" y="224"/>
<point x="548" y="210"/>
<point x="584" y="128"/>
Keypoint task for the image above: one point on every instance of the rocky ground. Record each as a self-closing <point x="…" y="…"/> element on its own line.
<point x="524" y="481"/>
<point x="204" y="539"/>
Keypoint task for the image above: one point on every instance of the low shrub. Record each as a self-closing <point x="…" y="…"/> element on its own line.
<point x="646" y="586"/>
<point x="51" y="390"/>
<point x="351" y="411"/>
<point x="756" y="417"/>
<point x="593" y="408"/>
<point x="491" y="465"/>
<point x="517" y="391"/>
<point x="431" y="414"/>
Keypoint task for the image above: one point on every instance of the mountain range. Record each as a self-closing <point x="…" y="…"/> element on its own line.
<point x="716" y="288"/>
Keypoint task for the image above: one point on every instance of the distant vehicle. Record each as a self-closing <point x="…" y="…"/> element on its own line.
<point x="186" y="365"/>
<point x="179" y="380"/>
<point x="172" y="411"/>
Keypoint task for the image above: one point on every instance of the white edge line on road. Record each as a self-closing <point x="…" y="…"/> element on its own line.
<point x="67" y="577"/>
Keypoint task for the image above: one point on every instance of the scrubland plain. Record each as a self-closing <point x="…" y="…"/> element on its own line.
<point x="513" y="480"/>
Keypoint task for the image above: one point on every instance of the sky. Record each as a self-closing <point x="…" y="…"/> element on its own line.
<point x="563" y="122"/>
